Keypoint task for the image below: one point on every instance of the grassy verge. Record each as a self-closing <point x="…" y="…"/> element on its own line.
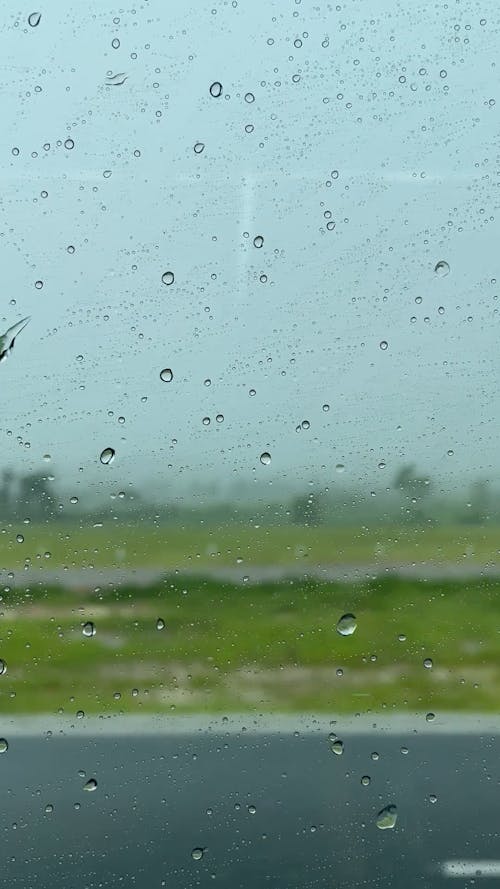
<point x="263" y="648"/>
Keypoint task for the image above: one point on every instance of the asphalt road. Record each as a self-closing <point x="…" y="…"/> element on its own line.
<point x="268" y="805"/>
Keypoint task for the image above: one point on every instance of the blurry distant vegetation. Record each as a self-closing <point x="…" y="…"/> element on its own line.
<point x="410" y="498"/>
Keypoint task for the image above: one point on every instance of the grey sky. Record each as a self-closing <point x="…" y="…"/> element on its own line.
<point x="413" y="137"/>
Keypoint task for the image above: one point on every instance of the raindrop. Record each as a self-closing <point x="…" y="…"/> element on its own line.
<point x="337" y="747"/>
<point x="160" y="624"/>
<point x="89" y="629"/>
<point x="3" y="667"/>
<point x="428" y="663"/>
<point x="346" y="625"/>
<point x="365" y="780"/>
<point x="15" y="152"/>
<point x="206" y="421"/>
<point x="70" y="248"/>
<point x="383" y="345"/>
<point x="432" y="798"/>
<point x="4" y="745"/>
<point x="34" y="19"/>
<point x="20" y="538"/>
<point x="386" y="818"/>
<point x="166" y="375"/>
<point x="430" y="717"/>
<point x="249" y="97"/>
<point x="442" y="268"/>
<point x="116" y="79"/>
<point x="107" y="456"/>
<point x="197" y="854"/>
<point x="115" y="43"/>
<point x="339" y="467"/>
<point x="198" y="147"/>
<point x="404" y="750"/>
<point x="216" y="89"/>
<point x="252" y="810"/>
<point x="375" y="756"/>
<point x="69" y="144"/>
<point x="38" y="285"/>
<point x="49" y="808"/>
<point x="258" y="241"/>
<point x="90" y="785"/>
<point x="326" y="408"/>
<point x="167" y="278"/>
<point x="265" y="458"/>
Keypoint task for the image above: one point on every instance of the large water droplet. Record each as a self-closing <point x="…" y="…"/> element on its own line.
<point x="107" y="456"/>
<point x="198" y="147"/>
<point x="166" y="375"/>
<point x="442" y="268"/>
<point x="116" y="79"/>
<point x="90" y="785"/>
<point x="337" y="746"/>
<point x="160" y="624"/>
<point x="249" y="97"/>
<point x="258" y="241"/>
<point x="34" y="19"/>
<point x="386" y="818"/>
<point x="69" y="144"/>
<point x="216" y="89"/>
<point x="346" y="625"/>
<point x="4" y="745"/>
<point x="89" y="629"/>
<point x="168" y="277"/>
<point x="265" y="458"/>
<point x="197" y="854"/>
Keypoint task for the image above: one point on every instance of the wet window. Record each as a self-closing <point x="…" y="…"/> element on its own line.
<point x="249" y="475"/>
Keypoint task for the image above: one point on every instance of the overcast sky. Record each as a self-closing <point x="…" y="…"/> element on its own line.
<point x="401" y="106"/>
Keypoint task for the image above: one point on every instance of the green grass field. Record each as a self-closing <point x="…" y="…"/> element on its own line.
<point x="257" y="648"/>
<point x="198" y="548"/>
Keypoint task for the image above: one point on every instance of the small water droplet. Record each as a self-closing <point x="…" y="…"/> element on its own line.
<point x="15" y="152"/>
<point x="34" y="19"/>
<point x="265" y="458"/>
<point x="206" y="421"/>
<point x="69" y="144"/>
<point x="387" y="817"/>
<point x="4" y="745"/>
<point x="337" y="747"/>
<point x="326" y="408"/>
<point x="70" y="248"/>
<point x="219" y="418"/>
<point x="160" y="624"/>
<point x="258" y="241"/>
<point x="90" y="785"/>
<point x="107" y="456"/>
<point x="80" y="714"/>
<point x="20" y="538"/>
<point x="168" y="278"/>
<point x="198" y="147"/>
<point x="430" y="717"/>
<point x="38" y="285"/>
<point x="375" y="756"/>
<point x="428" y="663"/>
<point x="116" y="79"/>
<point x="365" y="780"/>
<point x="89" y="629"/>
<point x="249" y="97"/>
<point x="252" y="810"/>
<point x="166" y="375"/>
<point x="216" y="89"/>
<point x="3" y="667"/>
<point x="384" y="345"/>
<point x="339" y="467"/>
<point x="115" y="43"/>
<point x="442" y="268"/>
<point x="49" y="808"/>
<point x="404" y="750"/>
<point x="346" y="625"/>
<point x="197" y="854"/>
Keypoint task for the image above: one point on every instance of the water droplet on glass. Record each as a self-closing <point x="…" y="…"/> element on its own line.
<point x="15" y="152"/>
<point x="34" y="19"/>
<point x="49" y="808"/>
<point x="90" y="785"/>
<point x="252" y="810"/>
<point x="339" y="467"/>
<point x="258" y="241"/>
<point x="4" y="745"/>
<point x="346" y="625"/>
<point x="167" y="278"/>
<point x="3" y="667"/>
<point x="115" y="43"/>
<point x="326" y="408"/>
<point x="38" y="285"/>
<point x="383" y="345"/>
<point x="89" y="629"/>
<point x="20" y="538"/>
<point x="69" y="144"/>
<point x="197" y="854"/>
<point x="428" y="663"/>
<point x="442" y="268"/>
<point x="107" y="456"/>
<point x="265" y="458"/>
<point x="160" y="624"/>
<point x="386" y="818"/>
<point x="219" y="418"/>
<point x="249" y="97"/>
<point x="365" y="780"/>
<point x="216" y="89"/>
<point x="337" y="746"/>
<point x="404" y="750"/>
<point x="375" y="756"/>
<point x="206" y="421"/>
<point x="70" y="248"/>
<point x="166" y="375"/>
<point x="198" y="147"/>
<point x="430" y="717"/>
<point x="116" y="79"/>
